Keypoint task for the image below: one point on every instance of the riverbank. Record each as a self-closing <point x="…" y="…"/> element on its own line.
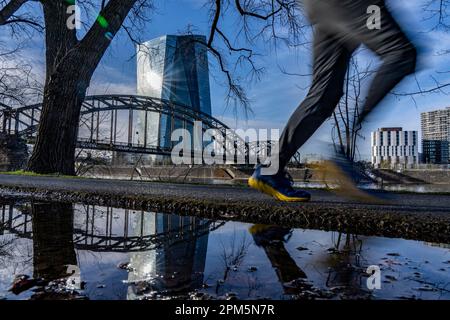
<point x="410" y="216"/>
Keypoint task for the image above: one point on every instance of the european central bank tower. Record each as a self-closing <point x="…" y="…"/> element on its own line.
<point x="175" y="69"/>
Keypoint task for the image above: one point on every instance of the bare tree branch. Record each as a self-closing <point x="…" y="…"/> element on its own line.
<point x="9" y="10"/>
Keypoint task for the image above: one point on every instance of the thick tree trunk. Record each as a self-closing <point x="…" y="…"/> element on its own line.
<point x="70" y="65"/>
<point x="54" y="151"/>
<point x="55" y="146"/>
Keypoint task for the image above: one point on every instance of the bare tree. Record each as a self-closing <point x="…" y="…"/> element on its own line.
<point x="436" y="13"/>
<point x="9" y="15"/>
<point x="345" y="131"/>
<point x="71" y="62"/>
<point x="18" y="84"/>
<point x="269" y="17"/>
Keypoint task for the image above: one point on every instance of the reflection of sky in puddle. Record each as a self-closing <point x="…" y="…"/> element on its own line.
<point x="220" y="260"/>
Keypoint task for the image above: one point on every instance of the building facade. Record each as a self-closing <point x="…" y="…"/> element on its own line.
<point x="173" y="68"/>
<point x="435" y="151"/>
<point x="436" y="136"/>
<point x="394" y="148"/>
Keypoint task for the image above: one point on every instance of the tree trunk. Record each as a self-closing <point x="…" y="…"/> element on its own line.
<point x="70" y="65"/>
<point x="54" y="151"/>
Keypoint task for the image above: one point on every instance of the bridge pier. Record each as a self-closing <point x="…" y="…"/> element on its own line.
<point x="13" y="152"/>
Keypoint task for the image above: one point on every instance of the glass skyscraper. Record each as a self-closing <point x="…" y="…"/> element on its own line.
<point x="174" y="68"/>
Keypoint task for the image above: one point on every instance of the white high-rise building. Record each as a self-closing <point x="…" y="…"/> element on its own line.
<point x="394" y="148"/>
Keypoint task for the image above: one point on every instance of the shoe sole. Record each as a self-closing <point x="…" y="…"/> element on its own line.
<point x="269" y="190"/>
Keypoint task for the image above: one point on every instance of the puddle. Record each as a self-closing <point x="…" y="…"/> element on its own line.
<point x="73" y="251"/>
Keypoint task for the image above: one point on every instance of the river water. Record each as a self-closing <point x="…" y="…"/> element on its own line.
<point x="74" y="251"/>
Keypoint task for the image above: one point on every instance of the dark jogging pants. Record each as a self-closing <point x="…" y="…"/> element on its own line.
<point x="340" y="27"/>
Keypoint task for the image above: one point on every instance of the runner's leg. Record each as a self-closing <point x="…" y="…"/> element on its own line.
<point x="331" y="60"/>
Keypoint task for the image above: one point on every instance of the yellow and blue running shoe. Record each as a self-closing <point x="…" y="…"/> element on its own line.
<point x="278" y="186"/>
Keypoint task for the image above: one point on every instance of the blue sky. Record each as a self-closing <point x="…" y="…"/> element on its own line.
<point x="276" y="95"/>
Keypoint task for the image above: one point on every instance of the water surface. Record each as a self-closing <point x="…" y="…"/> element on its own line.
<point x="123" y="254"/>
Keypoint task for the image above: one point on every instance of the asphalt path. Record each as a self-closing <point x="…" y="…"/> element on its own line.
<point x="409" y="215"/>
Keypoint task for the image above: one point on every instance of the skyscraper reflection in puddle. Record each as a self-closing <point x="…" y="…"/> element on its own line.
<point x="177" y="264"/>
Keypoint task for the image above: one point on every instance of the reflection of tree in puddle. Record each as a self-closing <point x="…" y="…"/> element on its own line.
<point x="53" y="240"/>
<point x="53" y="249"/>
<point x="346" y="274"/>
<point x="5" y="250"/>
<point x="233" y="254"/>
<point x="15" y="253"/>
<point x="50" y="227"/>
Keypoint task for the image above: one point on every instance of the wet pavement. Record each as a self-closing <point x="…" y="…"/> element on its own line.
<point x="433" y="202"/>
<point x="406" y="215"/>
<point x="54" y="250"/>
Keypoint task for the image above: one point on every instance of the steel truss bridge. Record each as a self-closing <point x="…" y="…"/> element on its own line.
<point x="105" y="229"/>
<point x="108" y="122"/>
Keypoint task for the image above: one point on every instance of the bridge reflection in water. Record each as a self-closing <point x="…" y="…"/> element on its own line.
<point x="166" y="254"/>
<point x="166" y="251"/>
<point x="172" y="256"/>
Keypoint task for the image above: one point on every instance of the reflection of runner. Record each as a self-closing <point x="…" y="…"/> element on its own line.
<point x="271" y="239"/>
<point x="340" y="28"/>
